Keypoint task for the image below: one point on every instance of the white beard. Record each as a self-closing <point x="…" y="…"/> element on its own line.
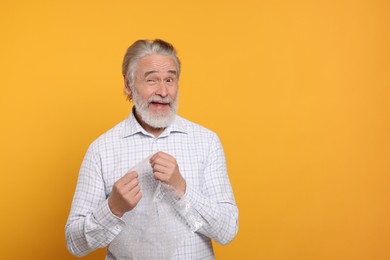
<point x="158" y="120"/>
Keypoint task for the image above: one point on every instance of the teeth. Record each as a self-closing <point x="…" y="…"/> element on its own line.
<point x="160" y="102"/>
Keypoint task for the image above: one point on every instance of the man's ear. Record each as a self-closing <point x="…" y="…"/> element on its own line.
<point x="127" y="88"/>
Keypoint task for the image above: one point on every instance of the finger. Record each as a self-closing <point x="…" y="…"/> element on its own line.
<point x="137" y="197"/>
<point x="163" y="159"/>
<point x="133" y="197"/>
<point x="131" y="185"/>
<point x="160" y="176"/>
<point x="163" y="156"/>
<point x="134" y="191"/>
<point x="161" y="168"/>
<point x="131" y="173"/>
<point x="161" y="162"/>
<point x="154" y="156"/>
<point x="128" y="177"/>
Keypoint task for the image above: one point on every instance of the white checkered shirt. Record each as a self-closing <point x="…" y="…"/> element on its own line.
<point x="201" y="161"/>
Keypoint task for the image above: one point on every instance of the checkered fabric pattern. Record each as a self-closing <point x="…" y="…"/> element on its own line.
<point x="209" y="196"/>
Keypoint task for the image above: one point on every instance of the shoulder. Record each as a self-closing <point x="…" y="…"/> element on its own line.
<point x="196" y="130"/>
<point x="109" y="138"/>
<point x="202" y="140"/>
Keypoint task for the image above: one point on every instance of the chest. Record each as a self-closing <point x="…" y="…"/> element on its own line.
<point x="118" y="159"/>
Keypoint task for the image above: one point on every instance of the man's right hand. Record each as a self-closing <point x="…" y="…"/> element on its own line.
<point x="125" y="195"/>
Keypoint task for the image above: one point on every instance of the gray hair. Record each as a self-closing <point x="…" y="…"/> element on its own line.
<point x="142" y="48"/>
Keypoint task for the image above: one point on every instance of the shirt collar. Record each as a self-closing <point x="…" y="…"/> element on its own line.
<point x="132" y="127"/>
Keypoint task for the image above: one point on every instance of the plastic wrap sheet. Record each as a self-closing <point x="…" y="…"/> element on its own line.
<point x="154" y="229"/>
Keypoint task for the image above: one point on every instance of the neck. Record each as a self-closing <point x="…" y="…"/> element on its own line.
<point x="156" y="132"/>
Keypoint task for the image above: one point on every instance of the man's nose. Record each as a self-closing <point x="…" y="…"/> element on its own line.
<point x="162" y="89"/>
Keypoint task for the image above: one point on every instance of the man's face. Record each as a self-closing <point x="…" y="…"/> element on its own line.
<point x="155" y="90"/>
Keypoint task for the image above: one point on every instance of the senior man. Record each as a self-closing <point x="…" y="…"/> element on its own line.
<point x="154" y="186"/>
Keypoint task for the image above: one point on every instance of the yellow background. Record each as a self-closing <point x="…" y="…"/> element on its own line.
<point x="298" y="92"/>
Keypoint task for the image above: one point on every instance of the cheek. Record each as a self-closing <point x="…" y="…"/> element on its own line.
<point x="146" y="93"/>
<point x="173" y="93"/>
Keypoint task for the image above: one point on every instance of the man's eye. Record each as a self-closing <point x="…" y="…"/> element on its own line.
<point x="151" y="81"/>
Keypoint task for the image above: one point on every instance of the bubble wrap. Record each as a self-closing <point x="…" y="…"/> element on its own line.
<point x="154" y="229"/>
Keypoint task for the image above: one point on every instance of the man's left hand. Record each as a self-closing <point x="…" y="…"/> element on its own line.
<point x="165" y="169"/>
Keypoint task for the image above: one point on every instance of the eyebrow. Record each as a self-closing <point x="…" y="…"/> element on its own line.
<point x="149" y="72"/>
<point x="154" y="71"/>
<point x="172" y="72"/>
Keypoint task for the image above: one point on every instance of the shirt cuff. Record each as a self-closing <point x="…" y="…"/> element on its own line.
<point x="186" y="206"/>
<point x="108" y="220"/>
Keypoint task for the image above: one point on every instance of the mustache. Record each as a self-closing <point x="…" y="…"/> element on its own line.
<point x="165" y="100"/>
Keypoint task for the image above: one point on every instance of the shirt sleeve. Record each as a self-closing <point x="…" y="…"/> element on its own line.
<point x="91" y="224"/>
<point x="212" y="211"/>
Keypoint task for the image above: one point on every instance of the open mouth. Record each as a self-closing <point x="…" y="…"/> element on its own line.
<point x="160" y="104"/>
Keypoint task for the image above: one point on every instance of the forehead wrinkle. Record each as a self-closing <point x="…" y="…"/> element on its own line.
<point x="150" y="72"/>
<point x="157" y="63"/>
